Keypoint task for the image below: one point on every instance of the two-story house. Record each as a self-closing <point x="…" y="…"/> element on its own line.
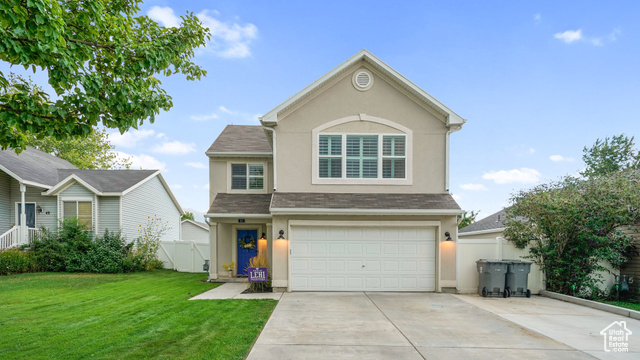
<point x="344" y="186"/>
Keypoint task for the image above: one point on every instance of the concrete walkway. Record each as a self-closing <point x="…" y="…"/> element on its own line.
<point x="433" y="326"/>
<point x="234" y="291"/>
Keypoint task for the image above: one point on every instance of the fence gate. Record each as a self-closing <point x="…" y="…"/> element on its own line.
<point x="183" y="255"/>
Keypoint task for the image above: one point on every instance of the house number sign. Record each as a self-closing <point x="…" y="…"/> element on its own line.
<point x="257" y="274"/>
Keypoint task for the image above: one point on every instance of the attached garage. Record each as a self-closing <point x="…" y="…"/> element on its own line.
<point x="355" y="257"/>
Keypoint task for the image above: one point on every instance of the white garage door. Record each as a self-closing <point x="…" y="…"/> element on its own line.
<point x="363" y="258"/>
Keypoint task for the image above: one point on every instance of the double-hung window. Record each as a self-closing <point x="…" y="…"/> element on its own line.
<point x="247" y="176"/>
<point x="81" y="210"/>
<point x="342" y="156"/>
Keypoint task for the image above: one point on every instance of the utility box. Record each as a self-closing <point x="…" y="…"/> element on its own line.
<point x="518" y="278"/>
<point x="492" y="277"/>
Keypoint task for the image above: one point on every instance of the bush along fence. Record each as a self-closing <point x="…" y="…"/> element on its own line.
<point x="74" y="249"/>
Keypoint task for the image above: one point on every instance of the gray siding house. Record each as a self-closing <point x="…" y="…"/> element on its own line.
<point x="51" y="189"/>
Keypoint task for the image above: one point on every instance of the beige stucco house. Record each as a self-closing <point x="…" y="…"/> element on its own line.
<point x="344" y="186"/>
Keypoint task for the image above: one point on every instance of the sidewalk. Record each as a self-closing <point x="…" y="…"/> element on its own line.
<point x="234" y="291"/>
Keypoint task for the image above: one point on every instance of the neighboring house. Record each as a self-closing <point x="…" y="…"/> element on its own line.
<point x="490" y="227"/>
<point x="347" y="182"/>
<point x="51" y="189"/>
<point x="194" y="230"/>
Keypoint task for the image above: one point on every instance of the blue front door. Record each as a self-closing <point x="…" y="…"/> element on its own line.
<point x="247" y="243"/>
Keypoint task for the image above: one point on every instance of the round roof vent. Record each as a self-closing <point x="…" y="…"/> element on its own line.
<point x="362" y="80"/>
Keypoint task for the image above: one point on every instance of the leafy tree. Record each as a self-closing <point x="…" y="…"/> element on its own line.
<point x="610" y="155"/>
<point x="90" y="152"/>
<point x="101" y="60"/>
<point x="468" y="218"/>
<point x="187" y="216"/>
<point x="571" y="227"/>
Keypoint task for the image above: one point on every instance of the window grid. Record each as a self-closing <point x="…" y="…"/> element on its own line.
<point x="247" y="176"/>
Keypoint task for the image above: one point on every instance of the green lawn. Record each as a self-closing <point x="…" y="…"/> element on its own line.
<point x="625" y="304"/>
<point x="132" y="316"/>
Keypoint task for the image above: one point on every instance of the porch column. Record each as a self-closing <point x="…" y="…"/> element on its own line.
<point x="213" y="254"/>
<point x="23" y="214"/>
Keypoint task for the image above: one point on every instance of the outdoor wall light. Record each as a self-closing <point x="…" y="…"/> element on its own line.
<point x="448" y="236"/>
<point x="281" y="237"/>
<point x="262" y="244"/>
<point x="39" y="209"/>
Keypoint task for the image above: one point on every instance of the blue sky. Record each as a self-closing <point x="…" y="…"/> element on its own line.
<point x="537" y="81"/>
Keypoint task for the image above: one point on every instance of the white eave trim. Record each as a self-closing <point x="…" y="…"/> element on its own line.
<point x="73" y="177"/>
<point x="166" y="187"/>
<point x="451" y="117"/>
<point x="480" y="232"/>
<point x="325" y="211"/>
<point x="238" y="154"/>
<point x="238" y="216"/>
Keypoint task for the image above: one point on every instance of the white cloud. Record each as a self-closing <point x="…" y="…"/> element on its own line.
<point x="569" y="36"/>
<point x="174" y="148"/>
<point x="176" y="186"/>
<point x="212" y="116"/>
<point x="225" y="110"/>
<point x="522" y="175"/>
<point x="532" y="150"/>
<point x="143" y="161"/>
<point x="614" y="34"/>
<point x="560" y="158"/>
<point x="474" y="187"/>
<point x="165" y="16"/>
<point x="456" y="196"/>
<point x="197" y="165"/>
<point x="130" y="138"/>
<point x="228" y="40"/>
<point x="537" y="16"/>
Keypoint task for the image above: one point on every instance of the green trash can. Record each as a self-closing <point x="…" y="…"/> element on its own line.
<point x="492" y="275"/>
<point x="518" y="278"/>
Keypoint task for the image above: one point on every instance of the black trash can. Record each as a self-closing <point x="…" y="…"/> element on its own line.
<point x="492" y="275"/>
<point x="518" y="278"/>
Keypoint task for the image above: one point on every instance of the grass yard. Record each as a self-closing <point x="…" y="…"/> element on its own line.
<point x="624" y="304"/>
<point x="132" y="316"/>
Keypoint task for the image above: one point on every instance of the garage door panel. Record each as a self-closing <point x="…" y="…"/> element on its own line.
<point x="373" y="258"/>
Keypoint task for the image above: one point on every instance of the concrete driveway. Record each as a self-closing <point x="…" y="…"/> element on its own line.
<point x="433" y="326"/>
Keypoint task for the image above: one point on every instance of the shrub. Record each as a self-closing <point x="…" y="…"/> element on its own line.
<point x="15" y="261"/>
<point x="148" y="243"/>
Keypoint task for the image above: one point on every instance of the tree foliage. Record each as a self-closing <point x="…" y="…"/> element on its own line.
<point x="610" y="155"/>
<point x="468" y="218"/>
<point x="90" y="152"/>
<point x="101" y="60"/>
<point x="187" y="216"/>
<point x="571" y="227"/>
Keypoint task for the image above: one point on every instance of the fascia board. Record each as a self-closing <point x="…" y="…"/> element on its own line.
<point x="23" y="181"/>
<point x="237" y="154"/>
<point x="168" y="189"/>
<point x="480" y="232"/>
<point x="134" y="186"/>
<point x="66" y="181"/>
<point x="325" y="211"/>
<point x="245" y="216"/>
<point x="195" y="223"/>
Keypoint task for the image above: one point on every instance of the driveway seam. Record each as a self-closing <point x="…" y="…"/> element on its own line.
<point x="394" y="325"/>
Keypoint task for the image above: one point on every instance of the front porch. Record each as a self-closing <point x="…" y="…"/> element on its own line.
<point x="11" y="238"/>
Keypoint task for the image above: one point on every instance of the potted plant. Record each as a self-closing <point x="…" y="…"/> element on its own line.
<point x="229" y="268"/>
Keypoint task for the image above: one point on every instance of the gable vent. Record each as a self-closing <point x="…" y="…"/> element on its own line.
<point x="362" y="80"/>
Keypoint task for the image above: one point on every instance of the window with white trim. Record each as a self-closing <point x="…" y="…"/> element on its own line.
<point x="82" y="210"/>
<point x="247" y="176"/>
<point x="362" y="157"/>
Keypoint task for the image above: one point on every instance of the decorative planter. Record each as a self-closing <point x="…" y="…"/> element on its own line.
<point x="230" y="273"/>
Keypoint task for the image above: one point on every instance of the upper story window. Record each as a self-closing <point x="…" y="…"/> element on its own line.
<point x="362" y="157"/>
<point x="247" y="176"/>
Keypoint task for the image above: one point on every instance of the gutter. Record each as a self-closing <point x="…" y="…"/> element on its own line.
<point x="325" y="211"/>
<point x="451" y="130"/>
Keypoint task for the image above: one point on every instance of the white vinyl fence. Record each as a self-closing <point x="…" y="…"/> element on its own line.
<point x="184" y="255"/>
<point x="471" y="250"/>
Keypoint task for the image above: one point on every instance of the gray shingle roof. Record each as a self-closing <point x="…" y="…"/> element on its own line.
<point x="241" y="139"/>
<point x="34" y="165"/>
<point x="108" y="180"/>
<point x="240" y="204"/>
<point x="491" y="222"/>
<point x="364" y="201"/>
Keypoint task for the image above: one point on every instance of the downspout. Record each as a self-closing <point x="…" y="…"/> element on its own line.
<point x="275" y="167"/>
<point x="452" y="129"/>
